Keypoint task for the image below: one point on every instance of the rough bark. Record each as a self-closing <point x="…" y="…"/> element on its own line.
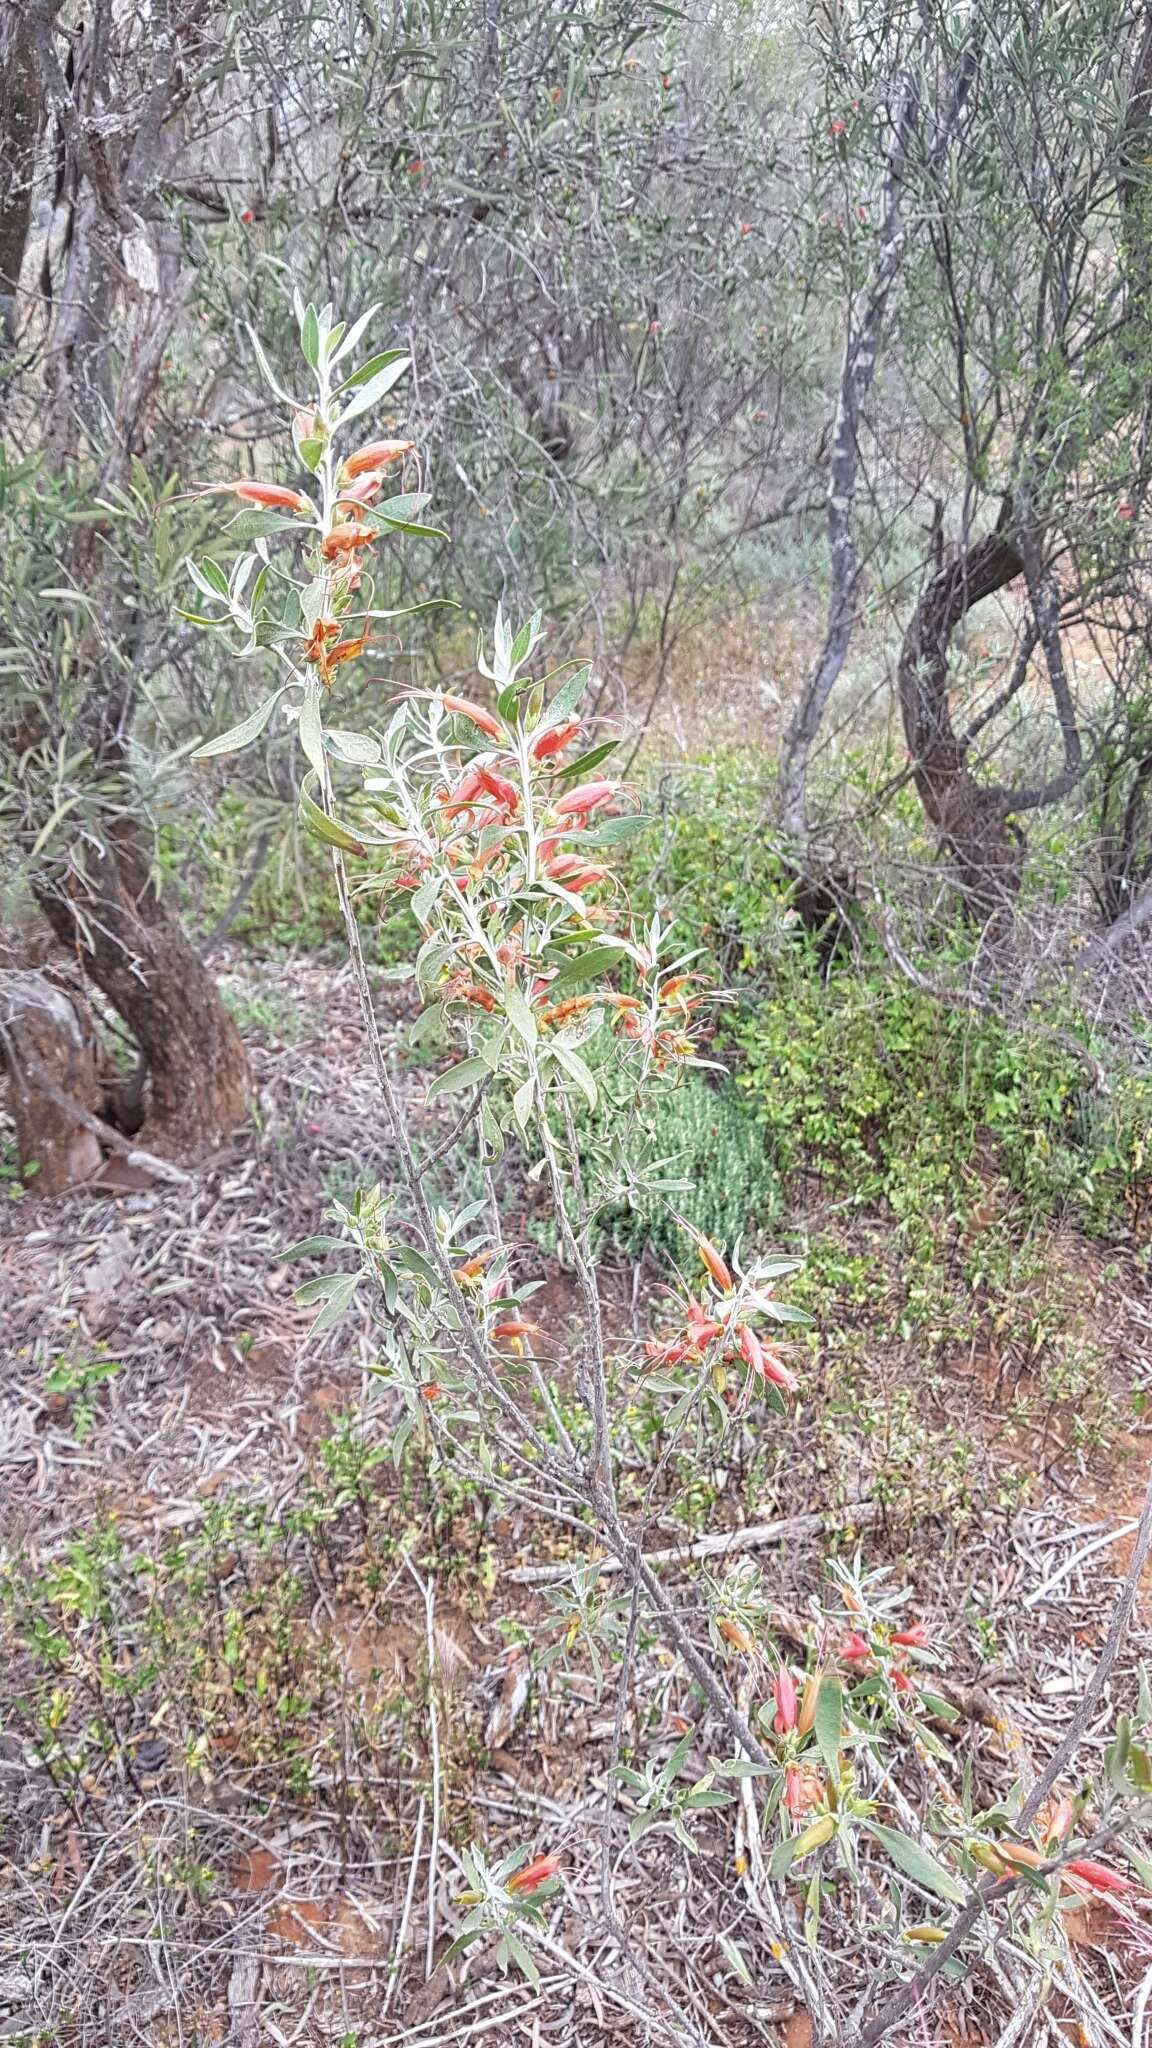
<point x="19" y="124"/>
<point x="107" y="912"/>
<point x="973" y="820"/>
<point x="122" y="285"/>
<point x="51" y="1053"/>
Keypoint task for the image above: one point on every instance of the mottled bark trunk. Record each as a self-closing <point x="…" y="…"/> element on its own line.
<point x="50" y="1050"/>
<point x="109" y="915"/>
<point x="19" y="125"/>
<point x="973" y="821"/>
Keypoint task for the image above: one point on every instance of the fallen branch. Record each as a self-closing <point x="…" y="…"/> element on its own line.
<point x="162" y="1169"/>
<point x="753" y="1537"/>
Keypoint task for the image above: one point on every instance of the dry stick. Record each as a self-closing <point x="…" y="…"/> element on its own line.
<point x="402" y="1936"/>
<point x="911" y="1993"/>
<point x="751" y="1537"/>
<point x="135" y="1154"/>
<point x="429" y="1597"/>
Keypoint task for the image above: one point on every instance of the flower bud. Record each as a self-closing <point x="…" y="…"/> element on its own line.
<point x="814" y="1837"/>
<point x="808" y="1703"/>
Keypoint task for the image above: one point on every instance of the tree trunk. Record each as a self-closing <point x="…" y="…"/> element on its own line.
<point x="19" y="124"/>
<point x="51" y="1054"/>
<point x="109" y="915"/>
<point x="973" y="821"/>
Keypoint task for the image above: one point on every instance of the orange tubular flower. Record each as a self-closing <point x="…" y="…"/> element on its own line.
<point x="1020" y="1855"/>
<point x="375" y="455"/>
<point x="1060" y="1821"/>
<point x="733" y="1632"/>
<point x="714" y="1263"/>
<point x="591" y="796"/>
<point x="784" y="1694"/>
<point x="808" y="1703"/>
<point x="431" y="1390"/>
<point x="534" y="1874"/>
<point x="464" y="708"/>
<point x="914" y="1638"/>
<point x="516" y="1327"/>
<point x="273" y="496"/>
<point x="346" y="539"/>
<point x="549" y="744"/>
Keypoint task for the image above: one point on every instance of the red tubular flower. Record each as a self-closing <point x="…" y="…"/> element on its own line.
<point x="673" y="1351"/>
<point x="465" y="793"/>
<point x="516" y="1327"/>
<point x="375" y="455"/>
<point x="534" y="1874"/>
<point x="751" y="1349"/>
<point x="784" y="1694"/>
<point x="579" y="875"/>
<point x="360" y="493"/>
<point x="855" y="1649"/>
<point x="465" y="708"/>
<point x="1098" y="1877"/>
<point x="431" y="1390"/>
<point x="703" y="1326"/>
<point x="901" y="1682"/>
<point x="914" y="1638"/>
<point x="549" y="744"/>
<point x="499" y="787"/>
<point x="1021" y="1855"/>
<point x="711" y="1258"/>
<point x="591" y="796"/>
<point x="801" y="1791"/>
<point x="273" y="496"/>
<point x="773" y="1368"/>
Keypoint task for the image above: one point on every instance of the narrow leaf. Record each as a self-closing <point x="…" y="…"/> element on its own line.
<point x="466" y="1074"/>
<point x="917" y="1864"/>
<point x="827" y="1725"/>
<point x="520" y="1016"/>
<point x="321" y="826"/>
<point x="241" y="735"/>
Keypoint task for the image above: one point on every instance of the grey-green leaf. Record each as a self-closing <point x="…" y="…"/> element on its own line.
<point x="917" y="1864"/>
<point x="241" y="735"/>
